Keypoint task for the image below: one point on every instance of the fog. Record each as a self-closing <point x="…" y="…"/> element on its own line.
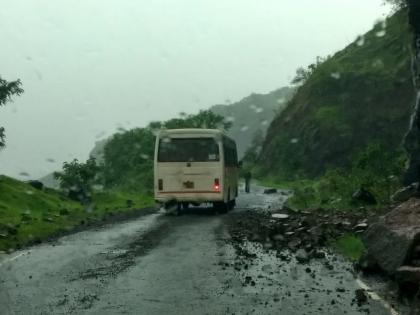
<point x="89" y="67"/>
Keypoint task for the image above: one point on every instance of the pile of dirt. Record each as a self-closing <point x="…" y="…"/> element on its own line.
<point x="304" y="233"/>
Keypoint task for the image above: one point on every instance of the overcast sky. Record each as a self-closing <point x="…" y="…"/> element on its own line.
<point x="91" y="66"/>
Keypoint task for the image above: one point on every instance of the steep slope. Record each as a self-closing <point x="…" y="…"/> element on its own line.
<point x="362" y="95"/>
<point x="253" y="114"/>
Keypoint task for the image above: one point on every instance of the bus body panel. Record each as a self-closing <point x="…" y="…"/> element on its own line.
<point x="195" y="181"/>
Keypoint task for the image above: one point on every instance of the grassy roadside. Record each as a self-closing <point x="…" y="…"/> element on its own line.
<point x="349" y="246"/>
<point x="28" y="215"/>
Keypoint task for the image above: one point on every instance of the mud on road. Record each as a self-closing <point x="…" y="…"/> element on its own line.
<point x="197" y="263"/>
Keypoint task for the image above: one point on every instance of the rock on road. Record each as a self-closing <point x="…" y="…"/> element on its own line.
<point x="159" y="264"/>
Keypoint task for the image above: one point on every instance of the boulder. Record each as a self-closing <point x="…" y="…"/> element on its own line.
<point x="270" y="191"/>
<point x="280" y="216"/>
<point x="409" y="274"/>
<point x="390" y="241"/>
<point x="360" y="296"/>
<point x="405" y="193"/>
<point x="302" y="256"/>
<point x="364" y="196"/>
<point x="36" y="184"/>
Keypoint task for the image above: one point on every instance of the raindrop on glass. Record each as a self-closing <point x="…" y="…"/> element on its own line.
<point x="380" y="33"/>
<point x="360" y="41"/>
<point x="335" y="75"/>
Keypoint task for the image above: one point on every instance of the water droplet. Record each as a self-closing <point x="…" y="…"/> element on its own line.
<point x="360" y="41"/>
<point x="244" y="128"/>
<point x="98" y="187"/>
<point x="294" y="141"/>
<point x="380" y="33"/>
<point x="281" y="100"/>
<point x="144" y="156"/>
<point x="24" y="174"/>
<point x="378" y="63"/>
<point x="50" y="160"/>
<point x="336" y="75"/>
<point x="264" y="122"/>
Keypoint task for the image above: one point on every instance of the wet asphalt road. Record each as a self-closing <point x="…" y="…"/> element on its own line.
<point x="159" y="264"/>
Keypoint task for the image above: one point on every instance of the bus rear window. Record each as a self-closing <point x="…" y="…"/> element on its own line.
<point x="188" y="150"/>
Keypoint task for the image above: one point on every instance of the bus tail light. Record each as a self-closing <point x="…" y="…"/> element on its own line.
<point x="160" y="184"/>
<point x="216" y="185"/>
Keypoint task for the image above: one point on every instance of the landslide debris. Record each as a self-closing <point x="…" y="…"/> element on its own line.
<point x="304" y="233"/>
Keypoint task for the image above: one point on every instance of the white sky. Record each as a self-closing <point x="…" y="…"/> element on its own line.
<point x="91" y="66"/>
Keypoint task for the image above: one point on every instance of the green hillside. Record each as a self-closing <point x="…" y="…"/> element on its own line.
<point x="29" y="215"/>
<point x="361" y="96"/>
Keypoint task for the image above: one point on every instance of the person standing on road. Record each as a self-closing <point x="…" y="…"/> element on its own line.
<point x="247" y="181"/>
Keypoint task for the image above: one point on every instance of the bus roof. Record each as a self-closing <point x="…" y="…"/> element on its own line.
<point x="191" y="131"/>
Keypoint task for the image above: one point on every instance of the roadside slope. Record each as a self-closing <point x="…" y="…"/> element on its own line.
<point x="361" y="95"/>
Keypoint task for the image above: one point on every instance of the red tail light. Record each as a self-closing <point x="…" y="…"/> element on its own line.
<point x="160" y="184"/>
<point x="216" y="185"/>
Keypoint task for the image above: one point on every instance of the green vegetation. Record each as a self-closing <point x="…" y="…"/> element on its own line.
<point x="77" y="179"/>
<point x="360" y="96"/>
<point x="29" y="215"/>
<point x="344" y="128"/>
<point x="7" y="90"/>
<point x="350" y="246"/>
<point x="374" y="169"/>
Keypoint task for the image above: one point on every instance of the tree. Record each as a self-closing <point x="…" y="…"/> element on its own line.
<point x="7" y="90"/>
<point x="204" y="119"/>
<point x="77" y="179"/>
<point x="302" y="74"/>
<point x="128" y="160"/>
<point x="397" y="4"/>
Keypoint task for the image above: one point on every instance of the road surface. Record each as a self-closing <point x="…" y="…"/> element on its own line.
<point x="159" y="264"/>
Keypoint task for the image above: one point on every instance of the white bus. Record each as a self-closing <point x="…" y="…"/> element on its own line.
<point x="194" y="166"/>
